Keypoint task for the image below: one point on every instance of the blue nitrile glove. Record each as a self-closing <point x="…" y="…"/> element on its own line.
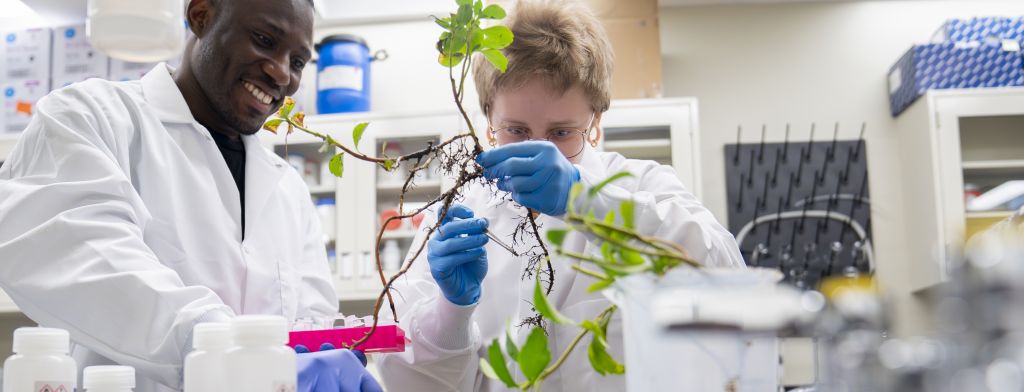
<point x="330" y="370"/>
<point x="458" y="261"/>
<point x="535" y="172"/>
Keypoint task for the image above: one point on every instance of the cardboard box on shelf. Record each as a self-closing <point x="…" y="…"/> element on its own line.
<point x="124" y="70"/>
<point x="26" y="55"/>
<point x="632" y="28"/>
<point x="74" y="58"/>
<point x="610" y="9"/>
<point x="637" y="46"/>
<point x="19" y="101"/>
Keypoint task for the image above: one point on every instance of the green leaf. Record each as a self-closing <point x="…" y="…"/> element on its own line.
<point x="498" y="368"/>
<point x="556" y="236"/>
<point x="630" y="257"/>
<point x="443" y="22"/>
<point x="510" y="346"/>
<point x="337" y="164"/>
<point x="478" y="7"/>
<point x="449" y="62"/>
<point x="272" y="124"/>
<point x="599" y="285"/>
<point x="627" y="209"/>
<point x="617" y="269"/>
<point x="597" y="188"/>
<point x="476" y="40"/>
<point x="357" y="133"/>
<point x="574" y="193"/>
<point x="544" y="307"/>
<point x="497" y="37"/>
<point x="606" y="252"/>
<point x="600" y="360"/>
<point x="493" y="11"/>
<point x="286" y="108"/>
<point x="389" y="164"/>
<point x="463" y="2"/>
<point x="609" y="217"/>
<point x="464" y="15"/>
<point x="496" y="58"/>
<point x="534" y="356"/>
<point x="487" y="369"/>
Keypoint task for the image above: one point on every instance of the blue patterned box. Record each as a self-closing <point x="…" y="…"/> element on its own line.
<point x="943" y="66"/>
<point x="974" y="30"/>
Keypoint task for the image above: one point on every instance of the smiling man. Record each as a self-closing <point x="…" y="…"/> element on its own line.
<point x="131" y="211"/>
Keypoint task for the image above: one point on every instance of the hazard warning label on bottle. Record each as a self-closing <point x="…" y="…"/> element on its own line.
<point x="282" y="386"/>
<point x="54" y="386"/>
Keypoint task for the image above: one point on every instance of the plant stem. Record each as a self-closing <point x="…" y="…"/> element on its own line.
<point x="331" y="141"/>
<point x="593" y="274"/>
<point x="672" y="250"/>
<point x="572" y="346"/>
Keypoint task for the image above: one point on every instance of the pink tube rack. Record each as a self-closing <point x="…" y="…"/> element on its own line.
<point x="386" y="339"/>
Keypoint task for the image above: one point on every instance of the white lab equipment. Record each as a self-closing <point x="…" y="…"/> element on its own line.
<point x="326" y="209"/>
<point x="108" y="379"/>
<point x="707" y="330"/>
<point x="391" y="257"/>
<point x="204" y="367"/>
<point x="137" y="30"/>
<point x="40" y="362"/>
<point x="260" y="359"/>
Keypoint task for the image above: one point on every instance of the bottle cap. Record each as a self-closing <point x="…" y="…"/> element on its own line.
<point x="108" y="377"/>
<point x="259" y="329"/>
<point x="35" y="339"/>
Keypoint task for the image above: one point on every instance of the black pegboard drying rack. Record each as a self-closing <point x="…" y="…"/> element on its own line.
<point x="802" y="207"/>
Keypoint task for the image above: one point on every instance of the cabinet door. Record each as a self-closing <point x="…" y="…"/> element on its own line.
<point x="663" y="130"/>
<point x="378" y="192"/>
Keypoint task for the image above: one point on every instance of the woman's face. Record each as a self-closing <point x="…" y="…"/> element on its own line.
<point x="534" y="111"/>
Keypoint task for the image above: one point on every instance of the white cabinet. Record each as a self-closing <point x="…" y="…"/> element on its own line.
<point x="365" y="192"/>
<point x="663" y="130"/>
<point x="950" y="138"/>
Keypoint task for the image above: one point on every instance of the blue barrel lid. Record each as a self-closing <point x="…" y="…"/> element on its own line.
<point x="327" y="201"/>
<point x="341" y="38"/>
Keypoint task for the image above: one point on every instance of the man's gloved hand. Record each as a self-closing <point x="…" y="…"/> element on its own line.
<point x="330" y="370"/>
<point x="535" y="172"/>
<point x="458" y="261"/>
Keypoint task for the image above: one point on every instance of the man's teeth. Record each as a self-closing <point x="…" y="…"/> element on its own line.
<point x="259" y="94"/>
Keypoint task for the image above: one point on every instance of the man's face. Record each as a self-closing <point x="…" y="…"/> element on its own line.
<point x="251" y="57"/>
<point x="535" y="111"/>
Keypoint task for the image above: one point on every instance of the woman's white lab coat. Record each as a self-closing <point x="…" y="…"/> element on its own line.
<point x="449" y="340"/>
<point x="120" y="222"/>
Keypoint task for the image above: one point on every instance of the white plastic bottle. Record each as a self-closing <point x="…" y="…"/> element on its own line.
<point x="108" y="379"/>
<point x="204" y="366"/>
<point x="260" y="361"/>
<point x="137" y="30"/>
<point x="391" y="257"/>
<point x="40" y="360"/>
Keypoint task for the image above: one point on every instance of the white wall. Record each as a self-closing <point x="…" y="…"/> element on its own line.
<point x="800" y="63"/>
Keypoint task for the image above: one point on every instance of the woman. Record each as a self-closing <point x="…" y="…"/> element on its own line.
<point x="544" y="118"/>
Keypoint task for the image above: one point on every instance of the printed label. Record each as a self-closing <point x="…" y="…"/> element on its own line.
<point x="54" y="386"/>
<point x="340" y="76"/>
<point x="895" y="80"/>
<point x="283" y="386"/>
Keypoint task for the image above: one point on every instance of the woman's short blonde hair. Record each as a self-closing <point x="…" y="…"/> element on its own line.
<point x="559" y="40"/>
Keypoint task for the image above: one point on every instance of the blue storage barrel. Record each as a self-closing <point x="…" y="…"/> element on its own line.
<point x="343" y="74"/>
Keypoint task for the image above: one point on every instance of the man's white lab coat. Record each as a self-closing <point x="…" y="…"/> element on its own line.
<point x="120" y="222"/>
